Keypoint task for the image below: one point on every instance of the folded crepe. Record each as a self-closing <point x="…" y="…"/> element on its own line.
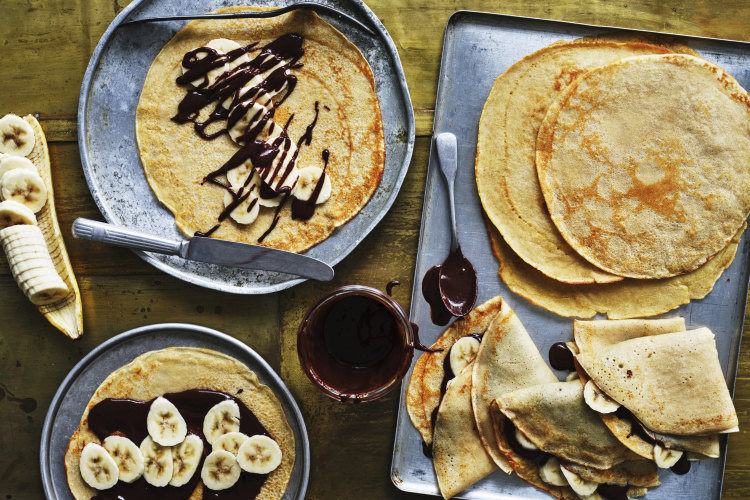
<point x="428" y="378"/>
<point x="507" y="360"/>
<point x="670" y="383"/>
<point x="555" y="419"/>
<point x="457" y="453"/>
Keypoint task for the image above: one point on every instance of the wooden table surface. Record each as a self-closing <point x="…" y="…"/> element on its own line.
<point x="45" y="46"/>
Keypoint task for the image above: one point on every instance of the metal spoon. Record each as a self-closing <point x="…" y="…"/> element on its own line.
<point x="458" y="278"/>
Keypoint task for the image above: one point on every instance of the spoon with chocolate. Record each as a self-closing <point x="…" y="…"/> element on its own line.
<point x="457" y="279"/>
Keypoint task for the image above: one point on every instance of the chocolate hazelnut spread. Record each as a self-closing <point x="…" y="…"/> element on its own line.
<point x="128" y="417"/>
<point x="450" y="288"/>
<point x="560" y="357"/>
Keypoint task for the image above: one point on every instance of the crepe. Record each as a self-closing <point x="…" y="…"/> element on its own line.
<point x="334" y="74"/>
<point x="505" y="171"/>
<point x="426" y="383"/>
<point x="644" y="164"/>
<point x="672" y="382"/>
<point x="507" y="360"/>
<point x="457" y="453"/>
<point x="178" y="369"/>
<point x="597" y="334"/>
<point x="638" y="473"/>
<point x="629" y="298"/>
<point x="555" y="417"/>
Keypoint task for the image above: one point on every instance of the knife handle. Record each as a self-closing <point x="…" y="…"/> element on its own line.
<point x="114" y="235"/>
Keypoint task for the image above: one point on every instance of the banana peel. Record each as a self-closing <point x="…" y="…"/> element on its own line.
<point x="67" y="314"/>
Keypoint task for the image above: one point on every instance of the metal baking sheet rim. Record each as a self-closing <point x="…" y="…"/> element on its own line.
<point x="277" y="385"/>
<point x="426" y="214"/>
<point x="373" y="22"/>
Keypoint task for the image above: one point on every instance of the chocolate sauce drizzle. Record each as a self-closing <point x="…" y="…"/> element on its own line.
<point x="128" y="417"/>
<point x="249" y="94"/>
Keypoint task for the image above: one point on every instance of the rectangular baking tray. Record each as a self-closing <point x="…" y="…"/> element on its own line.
<point x="477" y="48"/>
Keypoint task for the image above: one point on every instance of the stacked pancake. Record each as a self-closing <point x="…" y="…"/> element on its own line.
<point x="488" y="400"/>
<point x="611" y="171"/>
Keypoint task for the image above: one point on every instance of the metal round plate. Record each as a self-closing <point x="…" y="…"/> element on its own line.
<point x="109" y="153"/>
<point x="76" y="390"/>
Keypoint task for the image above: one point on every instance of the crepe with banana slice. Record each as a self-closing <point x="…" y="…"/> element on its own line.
<point x="178" y="369"/>
<point x="428" y="379"/>
<point x="507" y="360"/>
<point x="324" y="114"/>
<point x="554" y="441"/>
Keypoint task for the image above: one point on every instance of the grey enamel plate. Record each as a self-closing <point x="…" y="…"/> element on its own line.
<point x="477" y="48"/>
<point x="109" y="153"/>
<point x="70" y="401"/>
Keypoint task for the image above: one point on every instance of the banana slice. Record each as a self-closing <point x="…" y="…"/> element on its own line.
<point x="524" y="441"/>
<point x="463" y="353"/>
<point x="16" y="136"/>
<point x="247" y="211"/>
<point x="9" y="163"/>
<point x="213" y="75"/>
<point x="164" y="423"/>
<point x="259" y="455"/>
<point x="226" y="46"/>
<point x="25" y="187"/>
<point x="666" y="458"/>
<point x="238" y="176"/>
<point x="307" y="182"/>
<point x="127" y="456"/>
<point x="50" y="291"/>
<point x="551" y="473"/>
<point x="231" y="442"/>
<point x="221" y="419"/>
<point x="582" y="487"/>
<point x="98" y="468"/>
<point x="597" y="400"/>
<point x="572" y="376"/>
<point x="186" y="457"/>
<point x="253" y="115"/>
<point x="220" y="470"/>
<point x="13" y="213"/>
<point x="157" y="462"/>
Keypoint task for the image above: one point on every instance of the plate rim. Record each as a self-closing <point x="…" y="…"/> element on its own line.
<point x="65" y="385"/>
<point x="202" y="280"/>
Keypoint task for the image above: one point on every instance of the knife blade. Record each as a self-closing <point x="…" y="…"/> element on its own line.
<point x="213" y="251"/>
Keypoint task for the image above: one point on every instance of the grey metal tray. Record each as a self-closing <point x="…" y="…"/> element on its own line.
<point x="477" y="48"/>
<point x="75" y="392"/>
<point x="109" y="153"/>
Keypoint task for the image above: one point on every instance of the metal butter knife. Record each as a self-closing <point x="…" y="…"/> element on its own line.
<point x="221" y="252"/>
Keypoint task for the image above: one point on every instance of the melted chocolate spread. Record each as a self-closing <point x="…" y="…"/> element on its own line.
<point x="273" y="161"/>
<point x="560" y="357"/>
<point x="453" y="283"/>
<point x="355" y="345"/>
<point x="128" y="417"/>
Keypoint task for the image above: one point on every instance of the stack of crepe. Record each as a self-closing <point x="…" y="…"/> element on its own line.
<point x="506" y="385"/>
<point x="614" y="175"/>
<point x="664" y="388"/>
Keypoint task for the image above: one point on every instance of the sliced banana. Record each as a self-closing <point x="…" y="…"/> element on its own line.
<point x="524" y="441"/>
<point x="226" y="46"/>
<point x="127" y="456"/>
<point x="307" y="182"/>
<point x="247" y="211"/>
<point x="572" y="376"/>
<point x="221" y="419"/>
<point x="13" y="213"/>
<point x="157" y="462"/>
<point x="21" y="234"/>
<point x="52" y="290"/>
<point x="597" y="400"/>
<point x="463" y="353"/>
<point x="231" y="442"/>
<point x="238" y="176"/>
<point x="210" y="78"/>
<point x="259" y="454"/>
<point x="581" y="487"/>
<point x="220" y="470"/>
<point x="98" y="468"/>
<point x="164" y="423"/>
<point x="253" y="115"/>
<point x="551" y="473"/>
<point x="25" y="187"/>
<point x="16" y="136"/>
<point x="666" y="458"/>
<point x="8" y="163"/>
<point x="186" y="457"/>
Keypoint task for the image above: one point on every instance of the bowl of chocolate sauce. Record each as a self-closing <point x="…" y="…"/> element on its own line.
<point x="356" y="343"/>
